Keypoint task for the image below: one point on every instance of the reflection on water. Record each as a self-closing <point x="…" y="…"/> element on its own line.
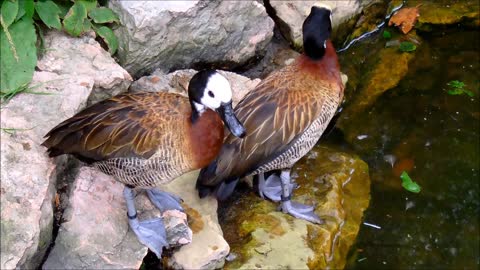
<point x="420" y="128"/>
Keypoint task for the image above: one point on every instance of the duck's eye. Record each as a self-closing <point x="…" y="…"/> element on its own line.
<point x="210" y="93"/>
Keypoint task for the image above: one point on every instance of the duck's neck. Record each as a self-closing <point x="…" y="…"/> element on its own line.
<point x="325" y="67"/>
<point x="197" y="110"/>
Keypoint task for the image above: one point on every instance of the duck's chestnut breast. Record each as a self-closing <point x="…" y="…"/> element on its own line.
<point x="206" y="138"/>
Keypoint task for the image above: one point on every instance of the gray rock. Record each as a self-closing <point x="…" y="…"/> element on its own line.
<point x="99" y="237"/>
<point x="291" y="14"/>
<point x="84" y="56"/>
<point x="70" y="69"/>
<point x="179" y="34"/>
<point x="208" y="248"/>
<point x="177" y="82"/>
<point x="95" y="232"/>
<point x="28" y="175"/>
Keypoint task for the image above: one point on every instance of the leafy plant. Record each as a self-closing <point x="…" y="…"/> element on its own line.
<point x="458" y="88"/>
<point x="386" y="34"/>
<point x="407" y="46"/>
<point x="18" y="37"/>
<point x="409" y="184"/>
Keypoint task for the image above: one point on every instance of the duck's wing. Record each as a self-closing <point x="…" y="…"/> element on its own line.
<point x="274" y="114"/>
<point x="127" y="125"/>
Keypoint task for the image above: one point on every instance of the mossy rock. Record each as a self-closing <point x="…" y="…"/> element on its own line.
<point x="260" y="236"/>
<point x="437" y="13"/>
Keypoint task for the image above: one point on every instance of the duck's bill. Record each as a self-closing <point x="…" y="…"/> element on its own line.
<point x="230" y="120"/>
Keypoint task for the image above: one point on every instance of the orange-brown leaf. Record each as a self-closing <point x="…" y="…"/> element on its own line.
<point x="405" y="19"/>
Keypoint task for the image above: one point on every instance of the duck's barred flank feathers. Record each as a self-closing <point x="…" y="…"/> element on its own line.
<point x="304" y="143"/>
<point x="140" y="172"/>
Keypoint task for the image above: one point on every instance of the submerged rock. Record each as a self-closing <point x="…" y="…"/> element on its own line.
<point x="434" y="13"/>
<point x="179" y="34"/>
<point x="262" y="237"/>
<point x="290" y="15"/>
<point x="28" y="174"/>
<point x="389" y="67"/>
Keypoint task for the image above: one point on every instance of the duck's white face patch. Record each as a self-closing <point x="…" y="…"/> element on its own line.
<point x="216" y="91"/>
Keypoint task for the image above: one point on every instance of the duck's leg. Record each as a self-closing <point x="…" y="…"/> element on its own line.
<point x="164" y="200"/>
<point x="151" y="232"/>
<point x="272" y="187"/>
<point x="297" y="210"/>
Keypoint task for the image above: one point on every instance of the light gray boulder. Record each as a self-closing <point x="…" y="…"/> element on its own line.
<point x="95" y="233"/>
<point x="180" y="34"/>
<point x="28" y="175"/>
<point x="84" y="56"/>
<point x="70" y="70"/>
<point x="290" y="15"/>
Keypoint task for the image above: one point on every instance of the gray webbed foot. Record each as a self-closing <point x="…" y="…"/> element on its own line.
<point x="301" y="211"/>
<point x="151" y="233"/>
<point x="295" y="209"/>
<point x="164" y="200"/>
<point x="272" y="187"/>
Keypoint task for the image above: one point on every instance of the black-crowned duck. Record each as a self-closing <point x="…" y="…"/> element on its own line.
<point x="284" y="116"/>
<point x="147" y="139"/>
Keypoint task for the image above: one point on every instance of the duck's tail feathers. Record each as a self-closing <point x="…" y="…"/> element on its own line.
<point x="225" y="189"/>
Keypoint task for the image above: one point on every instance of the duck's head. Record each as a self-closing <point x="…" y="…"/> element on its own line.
<point x="317" y="29"/>
<point x="208" y="89"/>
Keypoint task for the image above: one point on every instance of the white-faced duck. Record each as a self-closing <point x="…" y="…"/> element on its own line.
<point x="284" y="116"/>
<point x="147" y="139"/>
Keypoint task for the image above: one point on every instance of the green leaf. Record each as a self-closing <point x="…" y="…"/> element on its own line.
<point x="409" y="184"/>
<point x="109" y="37"/>
<point x="456" y="84"/>
<point x="454" y="92"/>
<point x="103" y="15"/>
<point x="25" y="7"/>
<point x="457" y="88"/>
<point x="87" y="25"/>
<point x="9" y="12"/>
<point x="407" y="46"/>
<point x="17" y="63"/>
<point x="73" y="21"/>
<point x="386" y="34"/>
<point x="469" y="93"/>
<point x="49" y="13"/>
<point x="64" y="7"/>
<point x="89" y="4"/>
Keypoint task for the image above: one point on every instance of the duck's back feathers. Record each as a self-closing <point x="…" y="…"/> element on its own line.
<point x="128" y="125"/>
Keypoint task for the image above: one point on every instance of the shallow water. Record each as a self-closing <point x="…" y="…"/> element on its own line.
<point x="434" y="136"/>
